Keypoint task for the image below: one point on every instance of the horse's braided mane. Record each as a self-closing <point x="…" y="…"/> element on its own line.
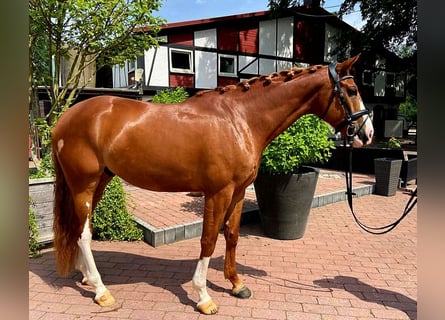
<point x="284" y="76"/>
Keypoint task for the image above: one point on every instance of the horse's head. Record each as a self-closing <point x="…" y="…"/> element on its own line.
<point x="345" y="109"/>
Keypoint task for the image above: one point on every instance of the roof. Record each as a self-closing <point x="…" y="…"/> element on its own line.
<point x="309" y="12"/>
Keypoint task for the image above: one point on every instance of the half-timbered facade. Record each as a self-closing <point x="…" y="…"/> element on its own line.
<point x="204" y="54"/>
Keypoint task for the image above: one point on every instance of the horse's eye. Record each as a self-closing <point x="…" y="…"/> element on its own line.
<point x="352" y="91"/>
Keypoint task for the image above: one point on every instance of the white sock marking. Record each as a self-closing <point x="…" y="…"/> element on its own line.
<point x="91" y="270"/>
<point x="200" y="280"/>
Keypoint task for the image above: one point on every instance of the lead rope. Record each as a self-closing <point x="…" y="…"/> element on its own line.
<point x="348" y="175"/>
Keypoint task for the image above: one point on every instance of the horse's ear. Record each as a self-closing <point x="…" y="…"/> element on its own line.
<point x="346" y="65"/>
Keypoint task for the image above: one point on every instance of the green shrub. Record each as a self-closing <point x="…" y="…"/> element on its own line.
<point x="409" y="108"/>
<point x="46" y="169"/>
<point x="33" y="244"/>
<point x="171" y="95"/>
<point x="394" y="143"/>
<point x="111" y="219"/>
<point x="305" y="142"/>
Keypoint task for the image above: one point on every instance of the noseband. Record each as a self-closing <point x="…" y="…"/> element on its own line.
<point x="349" y="115"/>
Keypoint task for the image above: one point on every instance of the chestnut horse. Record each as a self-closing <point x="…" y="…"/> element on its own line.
<point x="211" y="143"/>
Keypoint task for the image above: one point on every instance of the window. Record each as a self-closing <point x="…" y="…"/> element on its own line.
<point x="227" y="65"/>
<point x="367" y="78"/>
<point x="131" y="65"/>
<point x="390" y="79"/>
<point x="181" y="61"/>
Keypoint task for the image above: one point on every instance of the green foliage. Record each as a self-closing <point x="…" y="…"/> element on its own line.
<point x="306" y="141"/>
<point x="45" y="170"/>
<point x="409" y="108"/>
<point x="387" y="22"/>
<point x="88" y="34"/>
<point x="276" y="6"/>
<point x="33" y="245"/>
<point x="394" y="143"/>
<point x="171" y="95"/>
<point x="111" y="219"/>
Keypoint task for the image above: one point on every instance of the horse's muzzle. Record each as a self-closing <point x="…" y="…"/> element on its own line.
<point x="364" y="136"/>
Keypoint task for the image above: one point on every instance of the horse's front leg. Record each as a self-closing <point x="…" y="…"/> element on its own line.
<point x="214" y="210"/>
<point x="231" y="234"/>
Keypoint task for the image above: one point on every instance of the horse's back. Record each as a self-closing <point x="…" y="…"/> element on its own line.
<point x="89" y="110"/>
<point x="179" y="146"/>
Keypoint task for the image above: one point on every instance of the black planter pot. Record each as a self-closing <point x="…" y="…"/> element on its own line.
<point x="387" y="172"/>
<point x="285" y="202"/>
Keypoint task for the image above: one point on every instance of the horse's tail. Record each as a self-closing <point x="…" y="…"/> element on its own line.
<point x="66" y="224"/>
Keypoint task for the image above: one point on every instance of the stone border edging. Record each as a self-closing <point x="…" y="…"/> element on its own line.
<point x="157" y="237"/>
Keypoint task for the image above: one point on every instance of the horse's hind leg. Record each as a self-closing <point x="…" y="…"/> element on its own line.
<point x="103" y="296"/>
<point x="81" y="263"/>
<point x="231" y="234"/>
<point x="85" y="262"/>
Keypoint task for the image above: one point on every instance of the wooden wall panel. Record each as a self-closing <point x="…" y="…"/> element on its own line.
<point x="268" y="37"/>
<point x="181" y="38"/>
<point x="309" y="39"/>
<point x="248" y="38"/>
<point x="156" y="67"/>
<point x="228" y="39"/>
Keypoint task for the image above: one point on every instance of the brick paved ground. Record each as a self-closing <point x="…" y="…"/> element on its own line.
<point x="336" y="271"/>
<point x="162" y="210"/>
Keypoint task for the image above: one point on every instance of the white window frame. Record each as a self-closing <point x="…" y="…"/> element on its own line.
<point x="181" y="51"/>
<point x="235" y="65"/>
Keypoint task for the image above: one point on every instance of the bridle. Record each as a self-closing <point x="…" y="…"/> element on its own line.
<point x="350" y="116"/>
<point x="351" y="131"/>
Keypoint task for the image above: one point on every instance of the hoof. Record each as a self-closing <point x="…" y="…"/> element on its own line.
<point x="209" y="307"/>
<point x="243" y="292"/>
<point x="105" y="300"/>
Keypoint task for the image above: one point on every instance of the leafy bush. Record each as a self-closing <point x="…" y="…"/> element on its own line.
<point x="111" y="219"/>
<point x="306" y="141"/>
<point x="409" y="108"/>
<point x="33" y="244"/>
<point x="171" y="95"/>
<point x="46" y="169"/>
<point x="394" y="143"/>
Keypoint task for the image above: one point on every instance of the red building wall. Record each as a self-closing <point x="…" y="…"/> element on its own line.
<point x="309" y="41"/>
<point x="181" y="38"/>
<point x="228" y="39"/>
<point x="225" y="81"/>
<point x="181" y="80"/>
<point x="248" y="38"/>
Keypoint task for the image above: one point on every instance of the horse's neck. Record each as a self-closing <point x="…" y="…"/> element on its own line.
<point x="272" y="111"/>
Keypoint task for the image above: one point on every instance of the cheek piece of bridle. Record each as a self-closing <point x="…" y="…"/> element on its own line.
<point x="351" y="132"/>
